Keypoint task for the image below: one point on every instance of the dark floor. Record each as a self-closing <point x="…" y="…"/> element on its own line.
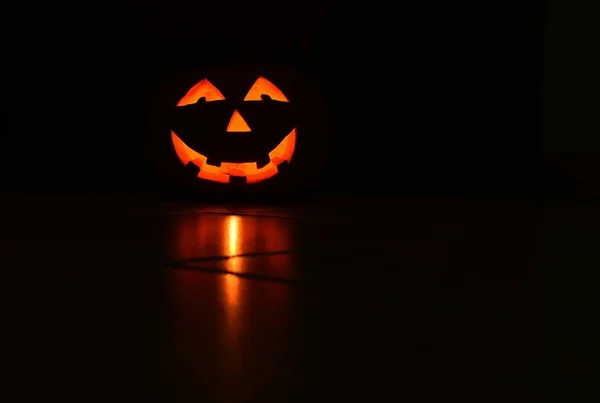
<point x="404" y="300"/>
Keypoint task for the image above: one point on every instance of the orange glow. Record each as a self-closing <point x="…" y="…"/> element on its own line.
<point x="262" y="86"/>
<point x="233" y="243"/>
<point x="283" y="152"/>
<point x="195" y="234"/>
<point x="231" y="321"/>
<point x="222" y="173"/>
<point x="233" y="236"/>
<point x="202" y="89"/>
<point x="237" y="123"/>
<point x="232" y="285"/>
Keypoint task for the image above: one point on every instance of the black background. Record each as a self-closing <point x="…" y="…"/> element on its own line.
<point x="441" y="98"/>
<point x="450" y="98"/>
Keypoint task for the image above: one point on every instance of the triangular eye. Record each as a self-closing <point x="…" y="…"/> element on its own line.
<point x="203" y="89"/>
<point x="262" y="86"/>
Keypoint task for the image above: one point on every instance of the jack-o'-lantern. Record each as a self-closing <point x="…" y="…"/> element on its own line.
<point x="237" y="133"/>
<point x="230" y="140"/>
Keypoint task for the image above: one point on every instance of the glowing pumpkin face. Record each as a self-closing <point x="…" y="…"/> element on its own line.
<point x="248" y="142"/>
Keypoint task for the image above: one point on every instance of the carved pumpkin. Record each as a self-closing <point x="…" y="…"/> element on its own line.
<point x="238" y="133"/>
<point x="247" y="141"/>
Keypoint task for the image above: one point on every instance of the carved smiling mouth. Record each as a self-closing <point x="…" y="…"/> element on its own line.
<point x="252" y="172"/>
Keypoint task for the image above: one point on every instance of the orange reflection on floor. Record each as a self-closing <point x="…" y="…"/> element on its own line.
<point x="246" y="317"/>
<point x="232" y="241"/>
<point x="195" y="236"/>
<point x="231" y="283"/>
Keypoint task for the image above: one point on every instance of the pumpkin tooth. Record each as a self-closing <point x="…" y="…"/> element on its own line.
<point x="263" y="161"/>
<point x="213" y="161"/>
<point x="192" y="168"/>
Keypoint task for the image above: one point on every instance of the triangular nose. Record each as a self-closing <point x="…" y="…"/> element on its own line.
<point x="237" y="123"/>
